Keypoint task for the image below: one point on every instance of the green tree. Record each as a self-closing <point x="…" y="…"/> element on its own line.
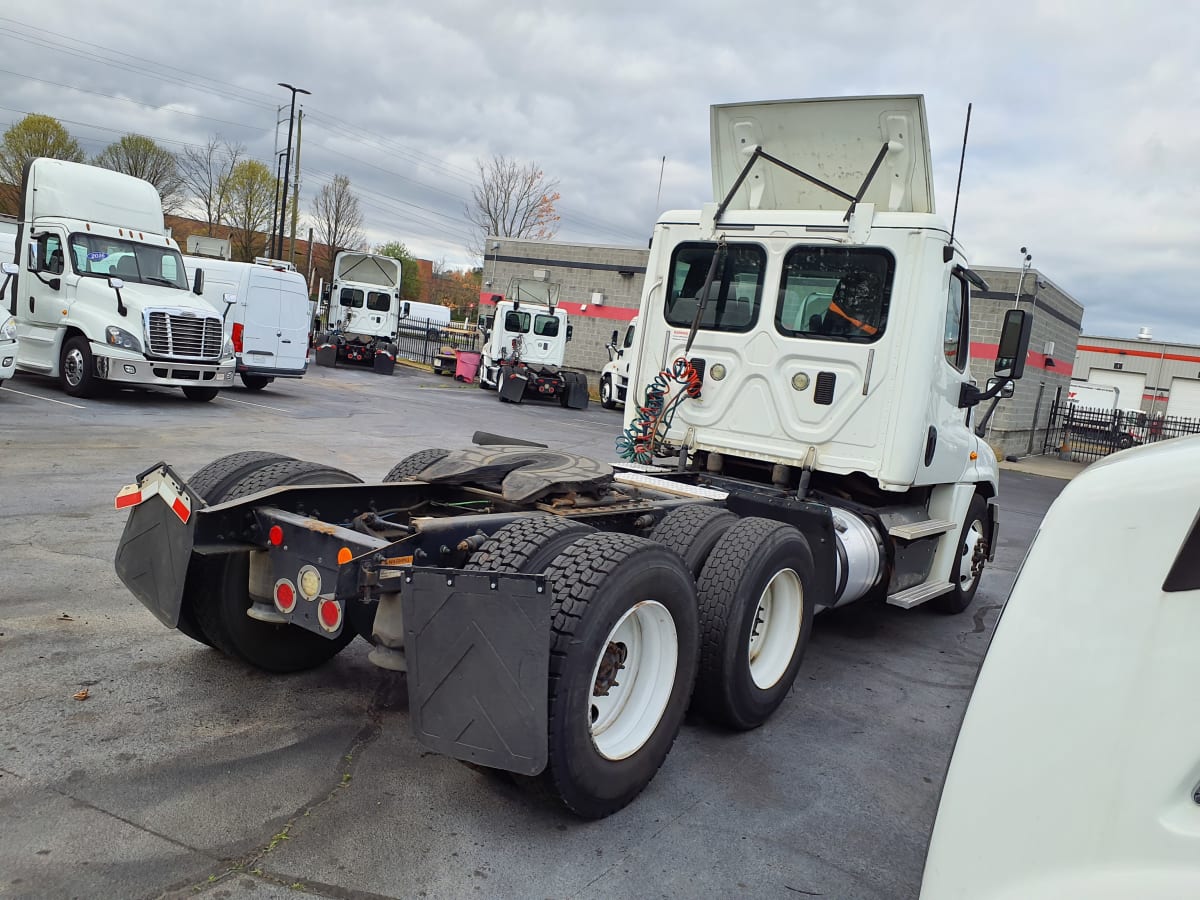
<point x="140" y="157"/>
<point x="35" y="135"/>
<point x="410" y="274"/>
<point x="249" y="204"/>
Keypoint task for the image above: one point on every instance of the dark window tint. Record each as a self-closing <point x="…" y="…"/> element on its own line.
<point x="379" y="301"/>
<point x="734" y="296"/>
<point x="955" y="336"/>
<point x="545" y="326"/>
<point x="351" y="297"/>
<point x="516" y="322"/>
<point x="837" y="293"/>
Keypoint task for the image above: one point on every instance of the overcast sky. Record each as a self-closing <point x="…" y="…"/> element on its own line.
<point x="1085" y="135"/>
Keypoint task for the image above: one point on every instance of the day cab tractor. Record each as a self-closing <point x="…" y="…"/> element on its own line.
<point x="524" y="344"/>
<point x="800" y="439"/>
<point x="364" y="312"/>
<point x="614" y="377"/>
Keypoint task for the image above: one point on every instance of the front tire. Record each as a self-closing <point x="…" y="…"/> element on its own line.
<point x="200" y="394"/>
<point x="218" y="588"/>
<point x="756" y="613"/>
<point x="972" y="554"/>
<point x="607" y="398"/>
<point x="622" y="661"/>
<point x="77" y="368"/>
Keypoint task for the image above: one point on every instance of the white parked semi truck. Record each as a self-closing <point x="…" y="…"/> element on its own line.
<point x="524" y="345"/>
<point x="363" y="312"/>
<point x="614" y="377"/>
<point x="801" y="440"/>
<point x="101" y="298"/>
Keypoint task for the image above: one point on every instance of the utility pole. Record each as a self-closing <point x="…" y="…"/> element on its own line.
<point x="296" y="186"/>
<point x="278" y="252"/>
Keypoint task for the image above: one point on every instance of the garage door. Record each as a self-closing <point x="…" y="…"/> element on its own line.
<point x="1130" y="384"/>
<point x="1184" y="399"/>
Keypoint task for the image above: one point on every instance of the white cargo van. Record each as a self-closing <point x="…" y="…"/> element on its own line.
<point x="268" y="321"/>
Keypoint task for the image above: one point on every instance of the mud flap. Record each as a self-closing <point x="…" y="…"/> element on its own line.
<point x="512" y="385"/>
<point x="152" y="557"/>
<point x="577" y="392"/>
<point x="384" y="364"/>
<point x="327" y="355"/>
<point x="478" y="649"/>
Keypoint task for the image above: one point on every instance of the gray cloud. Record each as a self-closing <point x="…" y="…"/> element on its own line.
<point x="1083" y="137"/>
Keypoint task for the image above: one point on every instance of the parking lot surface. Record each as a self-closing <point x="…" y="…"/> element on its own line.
<point x="185" y="774"/>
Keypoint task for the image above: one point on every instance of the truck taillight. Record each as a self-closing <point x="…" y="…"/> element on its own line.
<point x="285" y="596"/>
<point x="238" y="328"/>
<point x="329" y="614"/>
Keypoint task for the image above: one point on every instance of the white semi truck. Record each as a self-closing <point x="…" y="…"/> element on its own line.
<point x="364" y="310"/>
<point x="614" y="377"/>
<point x="101" y="298"/>
<point x="801" y="440"/>
<point x="524" y="345"/>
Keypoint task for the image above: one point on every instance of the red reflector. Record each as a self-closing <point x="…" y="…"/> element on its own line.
<point x="275" y="535"/>
<point x="285" y="597"/>
<point x="181" y="509"/>
<point x="126" y="500"/>
<point x="330" y="613"/>
<point x="238" y="329"/>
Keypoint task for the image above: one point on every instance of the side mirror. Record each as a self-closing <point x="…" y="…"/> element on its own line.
<point x="229" y="299"/>
<point x="613" y="339"/>
<point x="1014" y="344"/>
<point x="32" y="265"/>
<point x="9" y="270"/>
<point x="1007" y="391"/>
<point x="570" y="332"/>
<point x="325" y="291"/>
<point x="405" y="309"/>
<point x="198" y="282"/>
<point x="116" y="284"/>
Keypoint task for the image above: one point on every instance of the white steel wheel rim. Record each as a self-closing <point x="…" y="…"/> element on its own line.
<point x="775" y="631"/>
<point x="966" y="563"/>
<point x="73" y="367"/>
<point x="633" y="698"/>
<point x="605" y="390"/>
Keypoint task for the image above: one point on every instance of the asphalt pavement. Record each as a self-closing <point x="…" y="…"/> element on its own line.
<point x="183" y="774"/>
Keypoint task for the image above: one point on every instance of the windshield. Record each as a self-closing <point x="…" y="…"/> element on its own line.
<point x="735" y="294"/>
<point x="94" y="254"/>
<point x="835" y="293"/>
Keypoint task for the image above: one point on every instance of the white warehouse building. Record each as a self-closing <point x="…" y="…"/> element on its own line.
<point x="1158" y="377"/>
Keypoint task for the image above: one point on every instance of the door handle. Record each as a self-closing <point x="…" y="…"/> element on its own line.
<point x="286" y="341"/>
<point x="31" y="304"/>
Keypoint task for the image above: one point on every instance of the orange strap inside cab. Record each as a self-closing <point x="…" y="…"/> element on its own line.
<point x="862" y="326"/>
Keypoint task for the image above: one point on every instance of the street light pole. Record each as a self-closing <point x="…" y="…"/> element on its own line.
<point x="277" y="250"/>
<point x="495" y="252"/>
<point x="1025" y="263"/>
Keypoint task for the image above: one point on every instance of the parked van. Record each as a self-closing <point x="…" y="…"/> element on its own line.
<point x="427" y="319"/>
<point x="269" y="320"/>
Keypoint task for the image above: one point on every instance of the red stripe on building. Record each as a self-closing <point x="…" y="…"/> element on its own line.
<point x="988" y="351"/>
<point x="1148" y="354"/>
<point x="581" y="310"/>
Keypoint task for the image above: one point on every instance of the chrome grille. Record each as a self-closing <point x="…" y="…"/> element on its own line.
<point x="183" y="337"/>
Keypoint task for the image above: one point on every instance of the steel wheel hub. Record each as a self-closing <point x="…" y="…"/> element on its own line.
<point x="775" y="630"/>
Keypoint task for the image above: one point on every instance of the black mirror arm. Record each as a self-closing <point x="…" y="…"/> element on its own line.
<point x="969" y="395"/>
<point x="121" y="308"/>
<point x="981" y="428"/>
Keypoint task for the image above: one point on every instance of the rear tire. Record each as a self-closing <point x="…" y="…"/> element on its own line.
<point x="527" y="545"/>
<point x="756" y="613"/>
<point x="629" y="604"/>
<point x="256" y="382"/>
<point x="200" y="394"/>
<point x="972" y="540"/>
<point x="692" y="532"/>
<point x="218" y="589"/>
<point x="415" y="463"/>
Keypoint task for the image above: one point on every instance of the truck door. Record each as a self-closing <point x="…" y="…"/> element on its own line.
<point x="261" y="328"/>
<point x="292" y="352"/>
<point x="948" y="439"/>
<point x="626" y="356"/>
<point x="39" y="306"/>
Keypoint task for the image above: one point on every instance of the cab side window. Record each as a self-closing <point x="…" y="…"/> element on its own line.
<point x="50" y="254"/>
<point x="956" y="334"/>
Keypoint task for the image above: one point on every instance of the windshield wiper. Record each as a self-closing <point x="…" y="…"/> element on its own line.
<point x="158" y="279"/>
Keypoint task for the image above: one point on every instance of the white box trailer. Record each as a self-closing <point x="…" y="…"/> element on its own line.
<point x="101" y="298"/>
<point x="800" y="440"/>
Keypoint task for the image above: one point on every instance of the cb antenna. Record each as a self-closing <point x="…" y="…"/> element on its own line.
<point x="948" y="253"/>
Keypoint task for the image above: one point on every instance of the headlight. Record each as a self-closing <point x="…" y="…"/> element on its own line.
<point x="119" y="337"/>
<point x="8" y="331"/>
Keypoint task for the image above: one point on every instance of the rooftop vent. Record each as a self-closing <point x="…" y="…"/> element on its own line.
<point x="1144" y="334"/>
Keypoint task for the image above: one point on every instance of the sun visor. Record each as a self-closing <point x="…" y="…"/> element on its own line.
<point x="834" y="140"/>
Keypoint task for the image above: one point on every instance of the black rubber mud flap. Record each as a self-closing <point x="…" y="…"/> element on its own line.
<point x="478" y="649"/>
<point x="577" y="392"/>
<point x="327" y="355"/>
<point x="512" y="385"/>
<point x="384" y="364"/>
<point x="154" y="552"/>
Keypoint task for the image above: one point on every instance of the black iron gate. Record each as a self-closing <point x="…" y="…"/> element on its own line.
<point x="1082" y="434"/>
<point x="421" y="340"/>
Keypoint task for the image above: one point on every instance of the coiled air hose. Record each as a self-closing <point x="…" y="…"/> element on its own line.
<point x="639" y="441"/>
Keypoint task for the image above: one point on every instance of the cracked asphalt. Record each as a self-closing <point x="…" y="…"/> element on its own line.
<point x="184" y="774"/>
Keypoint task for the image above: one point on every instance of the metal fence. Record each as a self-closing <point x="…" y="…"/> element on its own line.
<point x="421" y="340"/>
<point x="1082" y="434"/>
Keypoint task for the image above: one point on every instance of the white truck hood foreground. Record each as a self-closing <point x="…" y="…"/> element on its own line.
<point x="1078" y="765"/>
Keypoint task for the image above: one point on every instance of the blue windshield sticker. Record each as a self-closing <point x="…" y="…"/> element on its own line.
<point x="97" y="255"/>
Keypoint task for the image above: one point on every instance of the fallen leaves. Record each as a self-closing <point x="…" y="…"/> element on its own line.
<point x="81" y="695"/>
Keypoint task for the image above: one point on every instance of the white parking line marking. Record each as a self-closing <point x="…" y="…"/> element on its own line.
<point x="47" y="399"/>
<point x="259" y="405"/>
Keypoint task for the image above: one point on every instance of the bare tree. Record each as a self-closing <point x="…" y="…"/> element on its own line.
<point x="512" y="200"/>
<point x="337" y="219"/>
<point x="140" y="157"/>
<point x="205" y="172"/>
<point x="249" y="207"/>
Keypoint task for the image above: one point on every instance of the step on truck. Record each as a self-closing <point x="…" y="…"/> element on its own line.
<point x="363" y="312"/>
<point x="524" y="345"/>
<point x="100" y="295"/>
<point x="801" y="440"/>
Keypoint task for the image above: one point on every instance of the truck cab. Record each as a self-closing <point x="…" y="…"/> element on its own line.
<point x="526" y="327"/>
<point x="364" y="312"/>
<point x="614" y="377"/>
<point x="101" y="298"/>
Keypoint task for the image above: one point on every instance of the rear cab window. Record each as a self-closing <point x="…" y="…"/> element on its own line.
<point x="835" y="293"/>
<point x="351" y="297"/>
<point x="545" y="326"/>
<point x="379" y="301"/>
<point x="517" y="322"/>
<point x="736" y="292"/>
